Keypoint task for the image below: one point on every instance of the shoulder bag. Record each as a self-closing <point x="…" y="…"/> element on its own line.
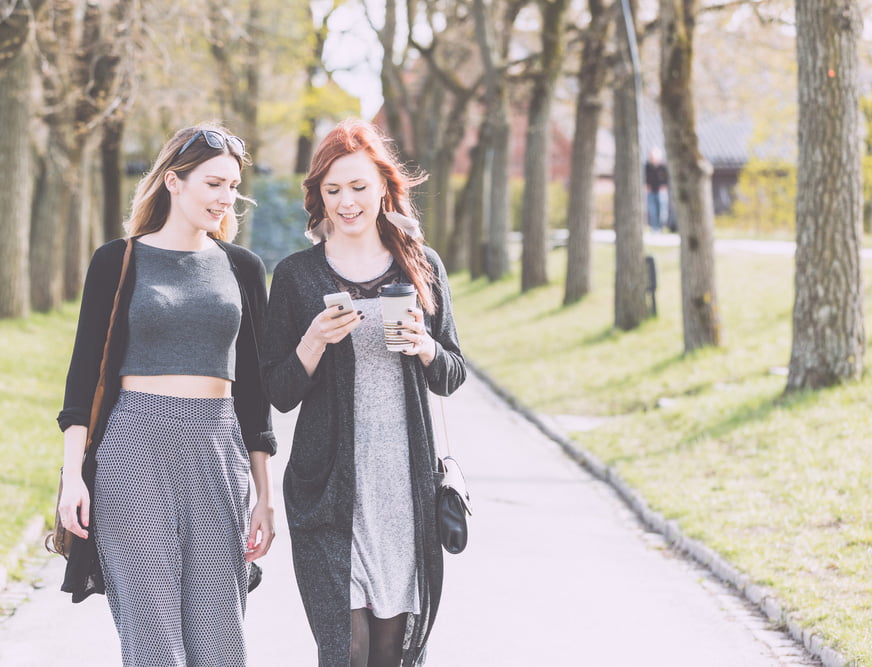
<point x="452" y="498"/>
<point x="60" y="539"/>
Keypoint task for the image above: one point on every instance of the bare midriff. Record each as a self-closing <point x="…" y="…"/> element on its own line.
<point x="181" y="386"/>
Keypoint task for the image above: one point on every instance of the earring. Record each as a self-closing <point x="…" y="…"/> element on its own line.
<point x="321" y="231"/>
<point x="404" y="223"/>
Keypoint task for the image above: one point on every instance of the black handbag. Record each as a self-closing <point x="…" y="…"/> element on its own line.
<point x="452" y="506"/>
<point x="255" y="576"/>
<point x="452" y="500"/>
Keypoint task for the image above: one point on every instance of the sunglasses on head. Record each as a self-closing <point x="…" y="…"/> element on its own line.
<point x="216" y="140"/>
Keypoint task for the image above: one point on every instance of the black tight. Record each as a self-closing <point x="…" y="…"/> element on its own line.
<point x="376" y="642"/>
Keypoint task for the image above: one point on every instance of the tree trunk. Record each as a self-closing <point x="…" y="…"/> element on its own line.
<point x="93" y="210"/>
<point x="579" y="216"/>
<point x="422" y="119"/>
<point x="78" y="235"/>
<point x="54" y="188"/>
<point x="495" y="153"/>
<point x="497" y="259"/>
<point x="219" y="45"/>
<point x="393" y="90"/>
<point x="438" y="125"/>
<point x="452" y="135"/>
<point x="441" y="201"/>
<point x="111" y="172"/>
<point x="47" y="234"/>
<point x="828" y="330"/>
<point x="534" y="212"/>
<point x="315" y="68"/>
<point x="90" y="94"/>
<point x="689" y="176"/>
<point x="125" y="23"/>
<point x="476" y="204"/>
<point x="630" y="270"/>
<point x="16" y="70"/>
<point x="465" y="242"/>
<point x="537" y="154"/>
<point x="305" y="147"/>
<point x="248" y="107"/>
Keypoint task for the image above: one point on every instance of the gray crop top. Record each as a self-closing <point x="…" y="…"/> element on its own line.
<point x="184" y="315"/>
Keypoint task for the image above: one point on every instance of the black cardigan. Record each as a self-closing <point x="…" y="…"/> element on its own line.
<point x="319" y="478"/>
<point x="83" y="575"/>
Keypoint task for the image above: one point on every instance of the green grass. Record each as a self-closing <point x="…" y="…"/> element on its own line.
<point x="778" y="485"/>
<point x="34" y="356"/>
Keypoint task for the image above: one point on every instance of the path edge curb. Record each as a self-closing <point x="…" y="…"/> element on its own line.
<point x="760" y="596"/>
<point x="32" y="535"/>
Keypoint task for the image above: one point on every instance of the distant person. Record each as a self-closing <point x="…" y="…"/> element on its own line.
<point x="657" y="186"/>
<point x="359" y="485"/>
<point x="160" y="505"/>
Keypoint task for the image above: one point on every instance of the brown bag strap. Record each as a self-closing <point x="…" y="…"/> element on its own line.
<point x="101" y="379"/>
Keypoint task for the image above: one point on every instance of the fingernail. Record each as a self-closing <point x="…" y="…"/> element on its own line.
<point x="363" y="317"/>
<point x="399" y="322"/>
<point x="360" y="312"/>
<point x="341" y="307"/>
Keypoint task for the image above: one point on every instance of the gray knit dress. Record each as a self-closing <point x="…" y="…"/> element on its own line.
<point x="383" y="529"/>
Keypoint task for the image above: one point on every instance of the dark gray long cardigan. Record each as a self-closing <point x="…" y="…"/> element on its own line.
<point x="319" y="479"/>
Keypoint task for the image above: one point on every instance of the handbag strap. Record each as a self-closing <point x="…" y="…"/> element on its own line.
<point x="444" y="437"/>
<point x="101" y="379"/>
<point x="452" y="474"/>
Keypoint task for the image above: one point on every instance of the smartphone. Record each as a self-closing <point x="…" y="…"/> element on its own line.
<point x="339" y="299"/>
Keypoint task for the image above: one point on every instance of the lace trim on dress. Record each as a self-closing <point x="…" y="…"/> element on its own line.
<point x="368" y="289"/>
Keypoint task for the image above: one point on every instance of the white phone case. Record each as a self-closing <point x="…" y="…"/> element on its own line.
<point x="339" y="299"/>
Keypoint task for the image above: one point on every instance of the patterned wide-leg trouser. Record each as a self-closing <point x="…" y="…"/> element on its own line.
<point x="171" y="520"/>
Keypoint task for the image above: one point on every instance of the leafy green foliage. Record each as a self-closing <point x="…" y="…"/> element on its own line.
<point x="766" y="197"/>
<point x="279" y="220"/>
<point x="866" y="110"/>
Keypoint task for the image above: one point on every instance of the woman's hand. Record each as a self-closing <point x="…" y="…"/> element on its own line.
<point x="263" y="531"/>
<point x="75" y="502"/>
<point x="423" y="344"/>
<point x="331" y="325"/>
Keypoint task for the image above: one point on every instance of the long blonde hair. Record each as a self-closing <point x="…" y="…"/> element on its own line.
<point x="151" y="202"/>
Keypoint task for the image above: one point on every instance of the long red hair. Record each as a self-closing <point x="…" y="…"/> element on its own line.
<point x="353" y="135"/>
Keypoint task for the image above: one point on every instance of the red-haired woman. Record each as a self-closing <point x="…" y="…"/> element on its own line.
<point x="359" y="486"/>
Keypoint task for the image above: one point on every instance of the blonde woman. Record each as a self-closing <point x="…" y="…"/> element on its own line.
<point x="160" y="503"/>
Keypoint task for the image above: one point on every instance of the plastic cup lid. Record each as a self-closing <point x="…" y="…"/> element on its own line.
<point x="398" y="289"/>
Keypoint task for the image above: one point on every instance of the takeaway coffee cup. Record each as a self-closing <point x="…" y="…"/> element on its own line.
<point x="395" y="302"/>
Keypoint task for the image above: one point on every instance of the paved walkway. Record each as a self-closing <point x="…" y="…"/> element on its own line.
<point x="748" y="246"/>
<point x="557" y="572"/>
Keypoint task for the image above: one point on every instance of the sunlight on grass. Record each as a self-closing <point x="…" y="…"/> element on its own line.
<point x="778" y="485"/>
<point x="33" y="365"/>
